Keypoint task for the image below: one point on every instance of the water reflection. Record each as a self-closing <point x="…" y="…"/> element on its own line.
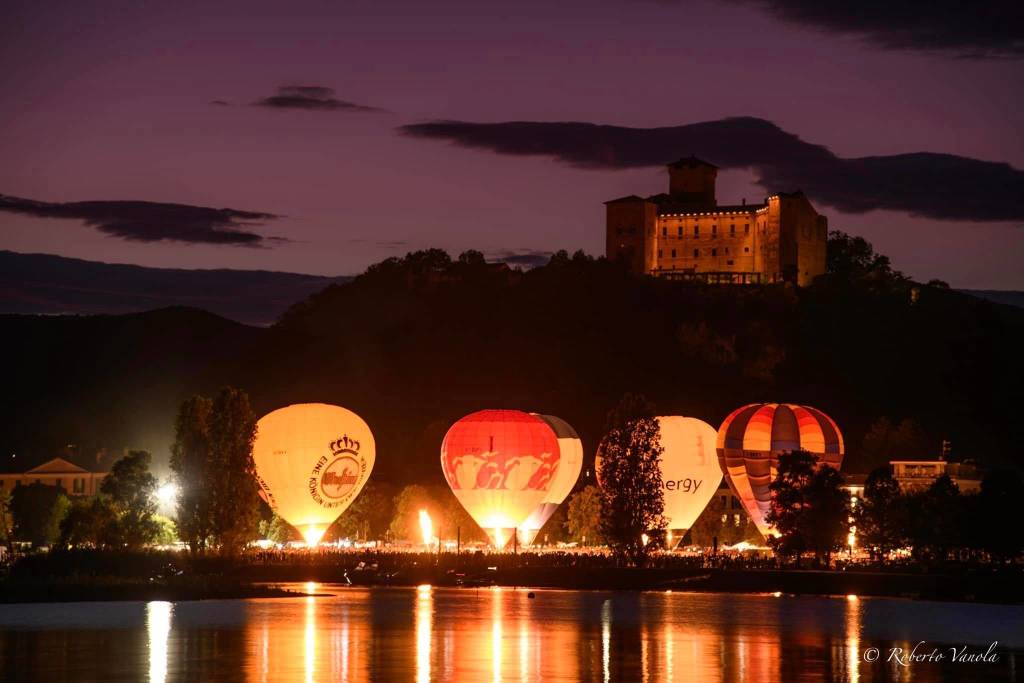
<point x="432" y="634"/>
<point x="158" y="631"/>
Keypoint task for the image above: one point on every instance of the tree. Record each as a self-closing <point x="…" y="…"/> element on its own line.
<point x="935" y="519"/>
<point x="852" y="257"/>
<point x="995" y="525"/>
<point x="367" y="518"/>
<point x="132" y="492"/>
<point x="277" y="530"/>
<point x="809" y="509"/>
<point x="166" y="530"/>
<point x="90" y="522"/>
<point x="235" y="504"/>
<point x="877" y="515"/>
<point x="632" y="500"/>
<point x="37" y="511"/>
<point x="6" y="523"/>
<point x="727" y="526"/>
<point x="584" y="516"/>
<point x="192" y="467"/>
<point x="218" y="500"/>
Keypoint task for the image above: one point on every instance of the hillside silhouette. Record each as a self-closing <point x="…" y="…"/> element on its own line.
<point x="415" y="343"/>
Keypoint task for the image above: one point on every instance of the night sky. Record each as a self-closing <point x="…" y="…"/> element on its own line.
<point x="320" y="137"/>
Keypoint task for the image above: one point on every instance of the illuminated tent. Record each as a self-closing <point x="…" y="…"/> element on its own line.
<point x="570" y="464"/>
<point x="500" y="464"/>
<point x="690" y="474"/>
<point x="312" y="460"/>
<point x="751" y="439"/>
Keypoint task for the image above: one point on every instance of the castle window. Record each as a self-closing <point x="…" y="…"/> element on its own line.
<point x="680" y="230"/>
<point x="696" y="253"/>
<point x="746" y="228"/>
<point x="746" y="250"/>
<point x="664" y="232"/>
<point x="732" y="231"/>
<point x="673" y="253"/>
<point x="696" y="231"/>
<point x="727" y="250"/>
<point x="729" y="262"/>
<point x="659" y="253"/>
<point x="714" y="230"/>
<point x="714" y="252"/>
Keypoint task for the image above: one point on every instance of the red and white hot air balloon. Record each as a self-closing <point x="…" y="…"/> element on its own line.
<point x="751" y="439"/>
<point x="500" y="464"/>
<point x="312" y="460"/>
<point x="570" y="464"/>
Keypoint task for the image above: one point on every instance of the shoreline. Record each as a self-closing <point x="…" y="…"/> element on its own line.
<point x="265" y="581"/>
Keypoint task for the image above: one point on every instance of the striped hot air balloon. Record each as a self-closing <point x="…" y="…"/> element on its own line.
<point x="751" y="439"/>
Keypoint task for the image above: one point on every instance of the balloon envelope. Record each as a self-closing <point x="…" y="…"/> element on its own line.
<point x="312" y="460"/>
<point x="690" y="473"/>
<point x="751" y="439"/>
<point x="570" y="464"/>
<point x="500" y="464"/>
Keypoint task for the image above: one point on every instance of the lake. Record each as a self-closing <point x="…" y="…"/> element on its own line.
<point x="340" y="633"/>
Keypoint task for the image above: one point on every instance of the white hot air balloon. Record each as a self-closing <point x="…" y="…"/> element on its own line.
<point x="312" y="460"/>
<point x="690" y="473"/>
<point x="570" y="464"/>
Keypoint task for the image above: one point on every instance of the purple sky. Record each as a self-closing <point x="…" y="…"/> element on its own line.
<point x="113" y="101"/>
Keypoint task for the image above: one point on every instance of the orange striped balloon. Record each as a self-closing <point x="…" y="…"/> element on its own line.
<point x="751" y="439"/>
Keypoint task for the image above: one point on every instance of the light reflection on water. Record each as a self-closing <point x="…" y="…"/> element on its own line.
<point x="500" y="634"/>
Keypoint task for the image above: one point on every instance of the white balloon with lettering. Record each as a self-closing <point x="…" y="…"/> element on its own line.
<point x="690" y="473"/>
<point x="312" y="460"/>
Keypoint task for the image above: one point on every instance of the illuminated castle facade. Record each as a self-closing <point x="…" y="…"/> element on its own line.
<point x="685" y="234"/>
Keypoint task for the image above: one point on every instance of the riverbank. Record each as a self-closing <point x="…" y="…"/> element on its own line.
<point x="118" y="589"/>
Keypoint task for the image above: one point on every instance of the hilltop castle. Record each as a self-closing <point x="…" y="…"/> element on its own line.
<point x="685" y="234"/>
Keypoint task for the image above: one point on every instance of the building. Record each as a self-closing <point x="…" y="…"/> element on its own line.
<point x="919" y="474"/>
<point x="74" y="479"/>
<point x="685" y="234"/>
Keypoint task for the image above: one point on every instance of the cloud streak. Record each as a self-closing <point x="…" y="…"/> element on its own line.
<point x="982" y="29"/>
<point x="139" y="221"/>
<point x="924" y="184"/>
<point x="310" y="97"/>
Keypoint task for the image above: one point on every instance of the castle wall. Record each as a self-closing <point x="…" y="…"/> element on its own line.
<point x="630" y="233"/>
<point x="712" y="242"/>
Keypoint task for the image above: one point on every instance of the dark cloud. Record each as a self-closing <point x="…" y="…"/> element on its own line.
<point x="525" y="258"/>
<point x="942" y="186"/>
<point x="983" y="28"/>
<point x="309" y="97"/>
<point x="220" y="103"/>
<point x="139" y="221"/>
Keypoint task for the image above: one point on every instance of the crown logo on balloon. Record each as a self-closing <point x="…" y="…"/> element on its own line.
<point x="344" y="445"/>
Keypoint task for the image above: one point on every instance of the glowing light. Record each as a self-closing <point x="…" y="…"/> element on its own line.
<point x="426" y="527"/>
<point x="158" y="629"/>
<point x="424" y="616"/>
<point x="499" y="540"/>
<point x="777" y="594"/>
<point x="852" y="598"/>
<point x="645" y="539"/>
<point x="313" y="533"/>
<point x="310" y="639"/>
<point x="606" y="640"/>
<point x="167" y="494"/>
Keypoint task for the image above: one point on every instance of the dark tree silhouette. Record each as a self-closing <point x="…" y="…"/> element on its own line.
<point x="192" y="467"/>
<point x="809" y="509"/>
<point x="878" y="514"/>
<point x="131" y="489"/>
<point x="632" y="500"/>
<point x="37" y="511"/>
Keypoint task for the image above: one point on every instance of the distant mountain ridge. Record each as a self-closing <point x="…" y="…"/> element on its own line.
<point x="52" y="285"/>
<point x="1000" y="296"/>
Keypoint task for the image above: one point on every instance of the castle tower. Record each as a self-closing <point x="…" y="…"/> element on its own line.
<point x="691" y="182"/>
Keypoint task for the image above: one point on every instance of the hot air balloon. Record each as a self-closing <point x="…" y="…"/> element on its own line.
<point x="751" y="439"/>
<point x="570" y="464"/>
<point x="312" y="460"/>
<point x="500" y="464"/>
<point x="690" y="474"/>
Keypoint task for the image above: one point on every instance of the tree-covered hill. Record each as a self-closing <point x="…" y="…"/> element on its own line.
<point x="415" y="343"/>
